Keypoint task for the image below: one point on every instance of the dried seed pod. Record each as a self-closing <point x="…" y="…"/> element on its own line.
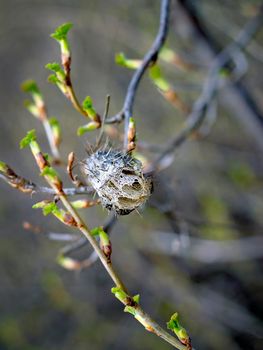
<point x="118" y="180"/>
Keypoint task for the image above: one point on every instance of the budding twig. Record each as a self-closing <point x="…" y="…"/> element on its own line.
<point x="39" y="110"/>
<point x="72" y="218"/>
<point x="149" y="59"/>
<point x="14" y="180"/>
<point x="62" y="79"/>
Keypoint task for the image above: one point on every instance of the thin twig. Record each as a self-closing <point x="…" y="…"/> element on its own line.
<point x="104" y="117"/>
<point x="206" y="250"/>
<point x="27" y="186"/>
<point x="150" y="58"/>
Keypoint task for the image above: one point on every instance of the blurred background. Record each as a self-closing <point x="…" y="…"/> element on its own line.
<point x="196" y="248"/>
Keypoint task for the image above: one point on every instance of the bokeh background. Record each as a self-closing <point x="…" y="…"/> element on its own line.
<point x="197" y="246"/>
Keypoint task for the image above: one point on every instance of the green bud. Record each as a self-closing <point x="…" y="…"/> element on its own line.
<point x="175" y="326"/>
<point x="51" y="208"/>
<point x="166" y="54"/>
<point x="68" y="263"/>
<point x="104" y="238"/>
<point x="96" y="231"/>
<point x="79" y="204"/>
<point x="52" y="78"/>
<point x="158" y="79"/>
<point x="60" y="74"/>
<point x="50" y="172"/>
<point x="119" y="294"/>
<point x="31" y="87"/>
<point x="122" y="60"/>
<point x="56" y="130"/>
<point x="130" y="310"/>
<point x="136" y="298"/>
<point x="61" y="31"/>
<point x="47" y="207"/>
<point x="88" y="107"/>
<point x="28" y="139"/>
<point x="88" y="127"/>
<point x="131" y="122"/>
<point x="32" y="108"/>
<point x="54" y="66"/>
<point x="60" y="35"/>
<point x="3" y="167"/>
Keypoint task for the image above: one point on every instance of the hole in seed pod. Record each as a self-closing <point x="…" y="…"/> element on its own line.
<point x="136" y="186"/>
<point x="112" y="185"/>
<point x="128" y="172"/>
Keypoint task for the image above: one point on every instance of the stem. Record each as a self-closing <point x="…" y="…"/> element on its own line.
<point x="50" y="137"/>
<point x="75" y="102"/>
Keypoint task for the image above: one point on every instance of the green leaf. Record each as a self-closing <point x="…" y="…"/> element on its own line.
<point x="50" y="208"/>
<point x="60" y="74"/>
<point x="47" y="207"/>
<point x="87" y="103"/>
<point x="30" y="86"/>
<point x="39" y="205"/>
<point x="30" y="137"/>
<point x="89" y="109"/>
<point x="46" y="156"/>
<point x="130" y="310"/>
<point x="136" y="298"/>
<point x="52" y="78"/>
<point x="55" y="67"/>
<point x="61" y="31"/>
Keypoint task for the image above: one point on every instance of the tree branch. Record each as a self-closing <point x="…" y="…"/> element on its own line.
<point x="16" y="181"/>
<point x="150" y="58"/>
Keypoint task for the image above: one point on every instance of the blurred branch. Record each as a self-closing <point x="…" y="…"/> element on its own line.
<point x="230" y="30"/>
<point x="210" y="88"/>
<point x="149" y="59"/>
<point x="204" y="250"/>
<point x="238" y="97"/>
